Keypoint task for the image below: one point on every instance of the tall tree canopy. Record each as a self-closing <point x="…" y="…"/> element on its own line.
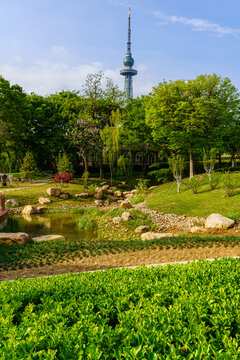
<point x="186" y="116"/>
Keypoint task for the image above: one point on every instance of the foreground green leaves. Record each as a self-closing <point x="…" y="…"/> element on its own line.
<point x="172" y="312"/>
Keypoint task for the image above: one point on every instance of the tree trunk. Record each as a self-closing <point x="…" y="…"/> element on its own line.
<point x="219" y="160"/>
<point x="101" y="173"/>
<point x="233" y="160"/>
<point x="85" y="161"/>
<point x="191" y="165"/>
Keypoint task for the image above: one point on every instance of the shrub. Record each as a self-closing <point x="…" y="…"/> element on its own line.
<point x="194" y="183"/>
<point x="161" y="175"/>
<point x="229" y="184"/>
<point x="142" y="186"/>
<point x="215" y="180"/>
<point x="62" y="178"/>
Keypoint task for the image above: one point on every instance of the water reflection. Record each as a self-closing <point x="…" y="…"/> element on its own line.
<point x="38" y="225"/>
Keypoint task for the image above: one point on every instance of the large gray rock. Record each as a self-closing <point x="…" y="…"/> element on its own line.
<point x="82" y="196"/>
<point x="29" y="210"/>
<point x="125" y="204"/>
<point x="217" y="221"/>
<point x="12" y="202"/>
<point x="15" y="238"/>
<point x="126" y="216"/>
<point x="47" y="238"/>
<point x="152" y="235"/>
<point x="54" y="192"/>
<point x="43" y="200"/>
<point x="141" y="229"/>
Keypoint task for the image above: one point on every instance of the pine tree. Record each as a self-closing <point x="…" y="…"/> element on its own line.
<point x="29" y="167"/>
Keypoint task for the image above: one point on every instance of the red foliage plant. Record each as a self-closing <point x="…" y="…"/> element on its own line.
<point x="62" y="177"/>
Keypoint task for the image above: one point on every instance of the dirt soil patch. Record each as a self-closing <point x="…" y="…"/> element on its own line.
<point x="100" y="262"/>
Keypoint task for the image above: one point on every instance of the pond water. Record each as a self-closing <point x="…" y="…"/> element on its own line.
<point x="57" y="224"/>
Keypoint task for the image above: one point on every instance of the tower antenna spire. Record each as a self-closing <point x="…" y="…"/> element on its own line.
<point x="128" y="62"/>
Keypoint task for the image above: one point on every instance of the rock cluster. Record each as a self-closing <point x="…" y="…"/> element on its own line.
<point x="105" y="194"/>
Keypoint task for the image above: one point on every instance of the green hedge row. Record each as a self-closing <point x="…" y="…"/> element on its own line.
<point x="174" y="312"/>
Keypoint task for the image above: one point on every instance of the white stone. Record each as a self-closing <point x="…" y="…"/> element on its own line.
<point x="126" y="216"/>
<point x="29" y="210"/>
<point x="47" y="238"/>
<point x="15" y="238"/>
<point x="141" y="229"/>
<point x="117" y="220"/>
<point x="118" y="193"/>
<point x="12" y="202"/>
<point x="43" y="200"/>
<point x="217" y="221"/>
<point x="152" y="235"/>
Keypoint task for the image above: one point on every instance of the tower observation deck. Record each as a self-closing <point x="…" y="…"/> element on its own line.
<point x="128" y="62"/>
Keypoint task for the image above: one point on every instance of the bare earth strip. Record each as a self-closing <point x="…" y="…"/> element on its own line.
<point x="141" y="257"/>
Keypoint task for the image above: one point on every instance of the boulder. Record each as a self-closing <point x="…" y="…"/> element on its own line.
<point x="64" y="196"/>
<point x="118" y="193"/>
<point x="134" y="192"/>
<point x="109" y="192"/>
<point x="99" y="202"/>
<point x="103" y="183"/>
<point x="141" y="229"/>
<point x="129" y="196"/>
<point x="15" y="238"/>
<point x="29" y="210"/>
<point x="98" y="196"/>
<point x="126" y="193"/>
<point x="47" y="238"/>
<point x="117" y="220"/>
<point x="43" y="200"/>
<point x="82" y="196"/>
<point x="54" y="192"/>
<point x="197" y="229"/>
<point x="126" y="215"/>
<point x="12" y="202"/>
<point x="125" y="204"/>
<point x="217" y="221"/>
<point x="104" y="187"/>
<point x="152" y="235"/>
<point x="41" y="209"/>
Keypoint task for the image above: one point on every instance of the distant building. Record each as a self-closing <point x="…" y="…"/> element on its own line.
<point x="128" y="62"/>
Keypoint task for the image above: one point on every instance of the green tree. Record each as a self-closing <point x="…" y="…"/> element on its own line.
<point x="29" y="167"/>
<point x="110" y="137"/>
<point x="186" y="116"/>
<point x="64" y="163"/>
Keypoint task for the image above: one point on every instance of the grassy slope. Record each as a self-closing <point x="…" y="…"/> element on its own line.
<point x="202" y="204"/>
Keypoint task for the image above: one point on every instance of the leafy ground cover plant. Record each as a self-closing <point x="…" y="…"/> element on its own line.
<point x="174" y="312"/>
<point x="52" y="252"/>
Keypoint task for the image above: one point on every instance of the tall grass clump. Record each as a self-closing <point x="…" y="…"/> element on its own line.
<point x="87" y="222"/>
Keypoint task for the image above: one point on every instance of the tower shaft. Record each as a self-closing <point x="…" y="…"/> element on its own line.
<point x="128" y="62"/>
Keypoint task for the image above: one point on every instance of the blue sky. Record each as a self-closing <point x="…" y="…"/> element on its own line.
<point x="50" y="45"/>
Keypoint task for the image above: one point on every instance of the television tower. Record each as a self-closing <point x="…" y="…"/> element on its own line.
<point x="128" y="62"/>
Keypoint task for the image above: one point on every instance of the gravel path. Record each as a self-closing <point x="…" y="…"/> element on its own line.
<point x="170" y="221"/>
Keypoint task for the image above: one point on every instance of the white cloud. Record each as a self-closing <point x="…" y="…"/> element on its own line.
<point x="197" y="24"/>
<point x="45" y="77"/>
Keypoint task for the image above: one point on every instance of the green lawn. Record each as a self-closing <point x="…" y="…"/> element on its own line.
<point x="30" y="195"/>
<point x="203" y="204"/>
